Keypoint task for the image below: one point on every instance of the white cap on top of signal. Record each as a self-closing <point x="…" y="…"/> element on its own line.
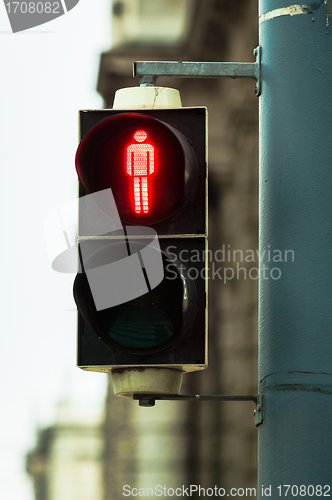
<point x="147" y="97"/>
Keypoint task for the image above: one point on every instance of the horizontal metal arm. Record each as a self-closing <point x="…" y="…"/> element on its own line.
<point x="149" y="71"/>
<point x="150" y="399"/>
<point x="195" y="69"/>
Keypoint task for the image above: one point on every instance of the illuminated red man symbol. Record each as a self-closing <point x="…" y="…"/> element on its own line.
<point x="140" y="164"/>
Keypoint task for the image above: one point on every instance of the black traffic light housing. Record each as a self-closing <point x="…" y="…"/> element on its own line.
<point x="166" y="327"/>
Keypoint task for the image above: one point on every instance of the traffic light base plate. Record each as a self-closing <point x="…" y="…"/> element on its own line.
<point x="130" y="381"/>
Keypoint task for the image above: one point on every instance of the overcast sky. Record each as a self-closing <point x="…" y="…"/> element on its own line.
<point x="48" y="73"/>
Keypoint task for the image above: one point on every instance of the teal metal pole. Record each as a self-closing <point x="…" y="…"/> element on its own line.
<point x="295" y="294"/>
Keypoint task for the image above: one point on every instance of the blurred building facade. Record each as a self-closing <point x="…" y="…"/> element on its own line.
<point x="184" y="443"/>
<point x="66" y="463"/>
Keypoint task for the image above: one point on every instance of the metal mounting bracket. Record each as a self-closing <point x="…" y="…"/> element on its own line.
<point x="149" y="71"/>
<point x="148" y="400"/>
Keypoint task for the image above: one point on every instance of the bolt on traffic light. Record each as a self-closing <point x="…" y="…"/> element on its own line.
<point x="151" y="165"/>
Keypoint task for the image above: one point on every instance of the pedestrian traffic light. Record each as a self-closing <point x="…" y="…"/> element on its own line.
<point x="142" y="238"/>
<point x="150" y="160"/>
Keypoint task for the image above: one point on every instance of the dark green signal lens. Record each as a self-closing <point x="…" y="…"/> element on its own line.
<point x="149" y="320"/>
<point x="140" y="323"/>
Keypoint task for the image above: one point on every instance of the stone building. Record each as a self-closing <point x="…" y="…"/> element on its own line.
<point x="202" y="443"/>
<point x="66" y="463"/>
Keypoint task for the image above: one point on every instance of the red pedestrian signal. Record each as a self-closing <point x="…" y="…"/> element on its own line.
<point x="148" y="163"/>
<point x="140" y="163"/>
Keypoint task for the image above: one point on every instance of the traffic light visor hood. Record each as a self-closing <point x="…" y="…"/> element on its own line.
<point x="149" y="164"/>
